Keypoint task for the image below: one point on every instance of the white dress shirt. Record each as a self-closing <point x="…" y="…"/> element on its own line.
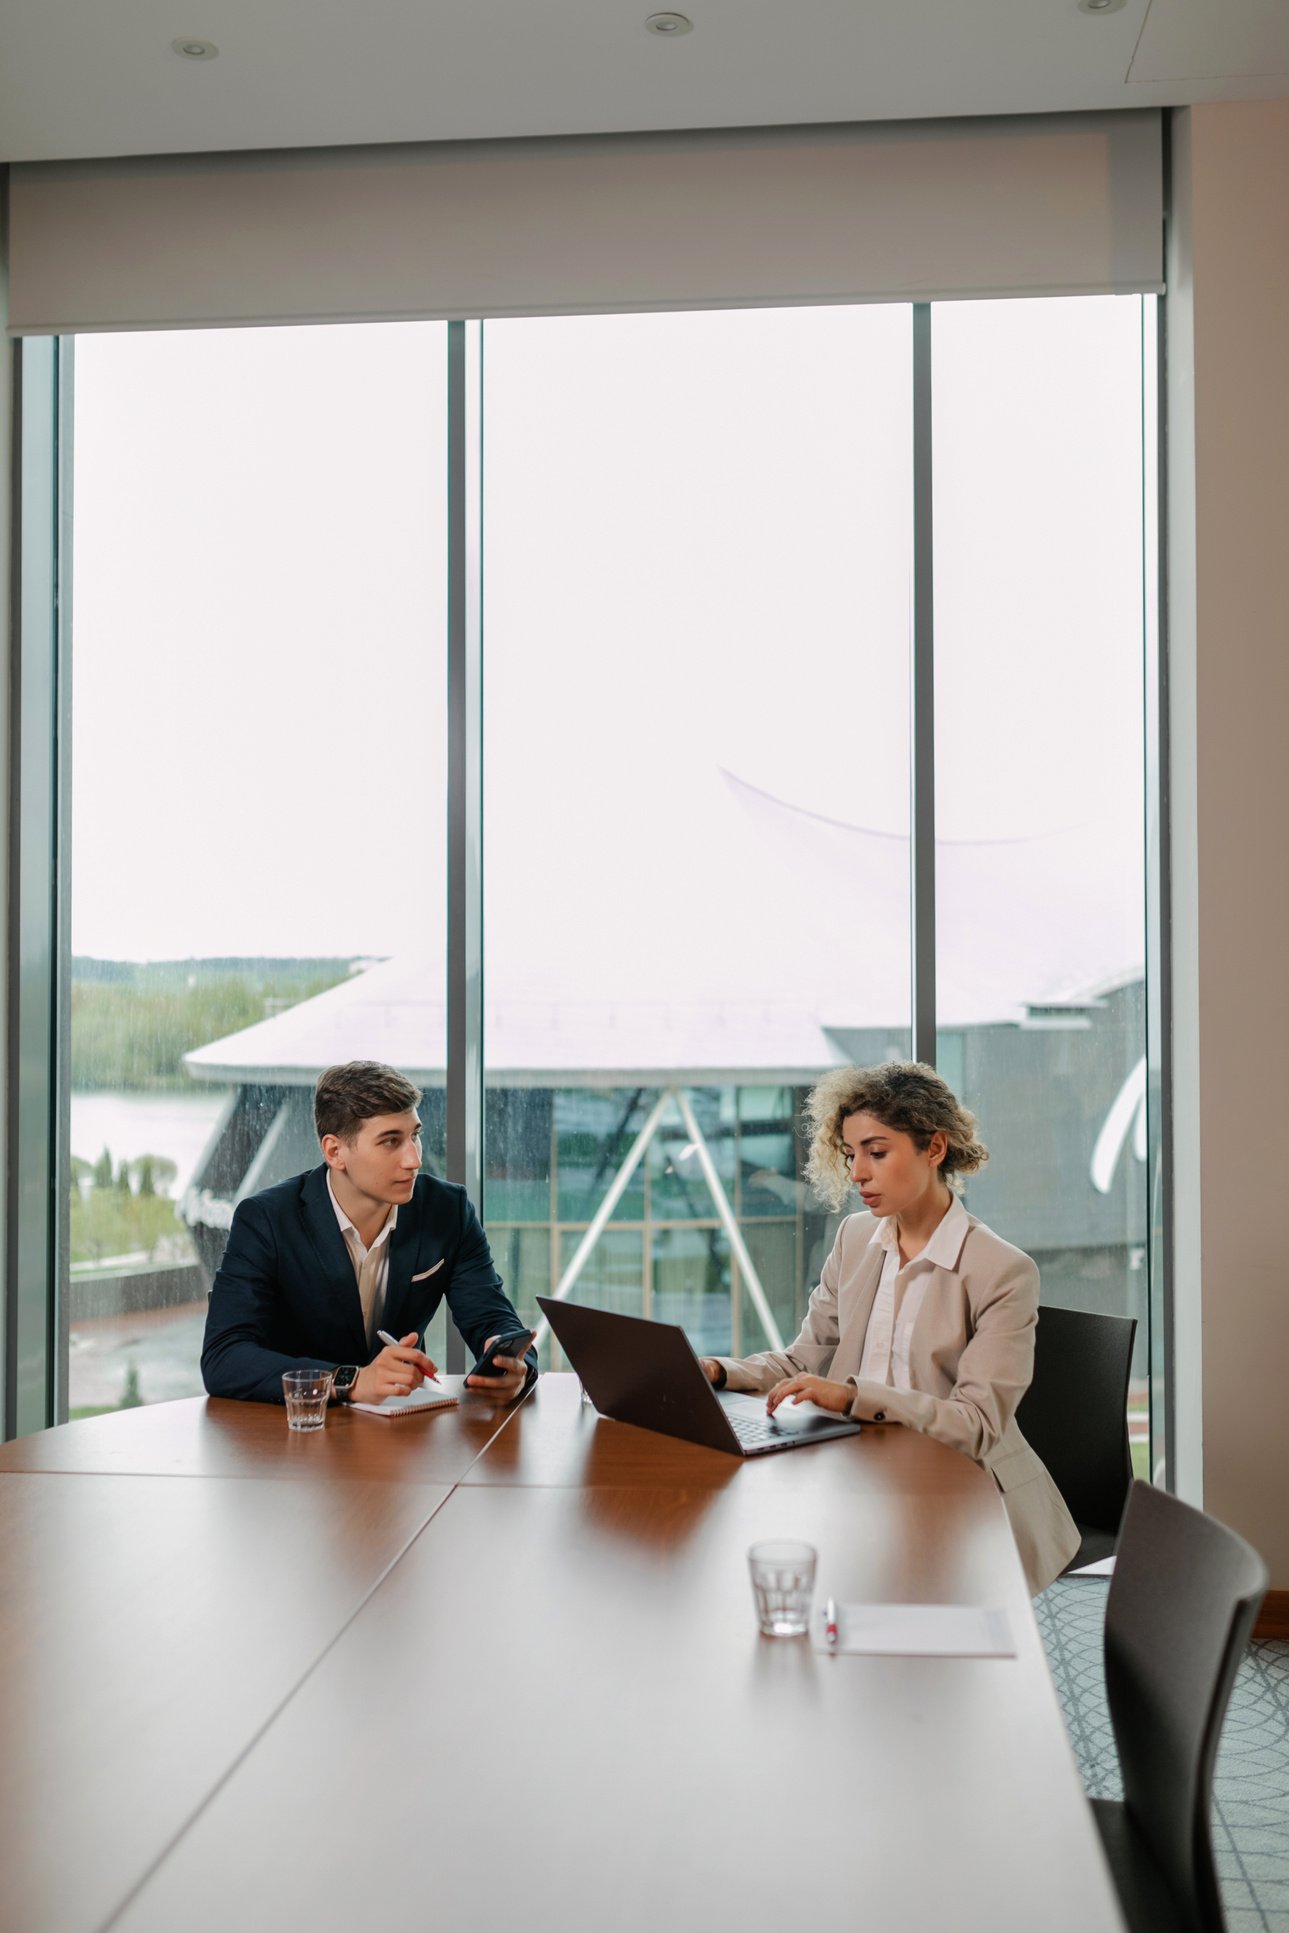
<point x="371" y="1265"/>
<point x="901" y="1290"/>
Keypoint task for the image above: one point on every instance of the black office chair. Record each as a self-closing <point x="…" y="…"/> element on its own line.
<point x="1074" y="1415"/>
<point x="1182" y="1605"/>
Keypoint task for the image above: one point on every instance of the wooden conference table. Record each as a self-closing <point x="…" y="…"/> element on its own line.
<point x="489" y="1666"/>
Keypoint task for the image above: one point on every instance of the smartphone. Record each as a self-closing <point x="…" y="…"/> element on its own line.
<point x="514" y="1344"/>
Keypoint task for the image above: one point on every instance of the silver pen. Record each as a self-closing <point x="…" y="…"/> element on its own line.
<point x="830" y="1624"/>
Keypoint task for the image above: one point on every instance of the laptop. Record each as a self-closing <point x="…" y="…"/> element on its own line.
<point x="643" y="1372"/>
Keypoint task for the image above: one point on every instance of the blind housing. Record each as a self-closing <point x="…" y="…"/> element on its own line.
<point x="939" y="210"/>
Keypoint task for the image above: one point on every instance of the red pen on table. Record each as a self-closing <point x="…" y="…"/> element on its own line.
<point x="830" y="1624"/>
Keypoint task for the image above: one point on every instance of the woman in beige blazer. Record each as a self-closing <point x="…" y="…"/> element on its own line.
<point x="923" y="1316"/>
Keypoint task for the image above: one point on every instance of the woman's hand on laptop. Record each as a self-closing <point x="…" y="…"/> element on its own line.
<point x="711" y="1369"/>
<point x="837" y="1397"/>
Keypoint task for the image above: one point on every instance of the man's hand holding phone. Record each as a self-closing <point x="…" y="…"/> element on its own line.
<point x="501" y="1372"/>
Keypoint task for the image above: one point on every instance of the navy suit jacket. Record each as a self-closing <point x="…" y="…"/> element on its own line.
<point x="285" y="1295"/>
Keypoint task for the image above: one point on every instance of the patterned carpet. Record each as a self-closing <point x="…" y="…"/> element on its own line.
<point x="1251" y="1786"/>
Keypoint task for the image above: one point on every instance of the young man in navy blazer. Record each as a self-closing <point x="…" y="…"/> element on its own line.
<point x="316" y="1266"/>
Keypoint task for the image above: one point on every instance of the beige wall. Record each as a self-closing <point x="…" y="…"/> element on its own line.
<point x="1229" y="633"/>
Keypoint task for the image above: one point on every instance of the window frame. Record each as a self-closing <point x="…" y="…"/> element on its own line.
<point x="33" y="1383"/>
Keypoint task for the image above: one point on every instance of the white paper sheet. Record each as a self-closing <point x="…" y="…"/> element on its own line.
<point x="1103" y="1567"/>
<point x="920" y="1631"/>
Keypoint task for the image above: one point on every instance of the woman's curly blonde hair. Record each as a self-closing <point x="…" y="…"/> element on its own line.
<point x="901" y="1094"/>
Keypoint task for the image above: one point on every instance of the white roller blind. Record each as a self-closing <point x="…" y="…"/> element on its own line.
<point x="897" y="211"/>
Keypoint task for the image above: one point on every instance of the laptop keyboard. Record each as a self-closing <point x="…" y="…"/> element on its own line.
<point x="755" y="1432"/>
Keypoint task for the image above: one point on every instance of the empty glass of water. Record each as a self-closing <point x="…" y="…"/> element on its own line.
<point x="783" y="1583"/>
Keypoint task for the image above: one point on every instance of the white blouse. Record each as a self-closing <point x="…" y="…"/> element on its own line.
<point x="900" y="1292"/>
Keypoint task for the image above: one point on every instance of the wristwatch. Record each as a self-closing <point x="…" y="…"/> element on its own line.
<point x="342" y="1381"/>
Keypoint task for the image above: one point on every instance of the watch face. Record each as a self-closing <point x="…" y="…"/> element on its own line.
<point x="344" y="1378"/>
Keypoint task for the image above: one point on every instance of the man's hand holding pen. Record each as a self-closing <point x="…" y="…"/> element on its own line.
<point x="400" y="1368"/>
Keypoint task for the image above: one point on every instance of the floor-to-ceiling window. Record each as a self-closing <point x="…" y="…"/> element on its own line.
<point x="698" y="563"/>
<point x="257" y="799"/>
<point x="698" y="534"/>
<point x="1040" y="781"/>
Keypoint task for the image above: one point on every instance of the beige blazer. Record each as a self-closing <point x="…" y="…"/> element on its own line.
<point x="971" y="1358"/>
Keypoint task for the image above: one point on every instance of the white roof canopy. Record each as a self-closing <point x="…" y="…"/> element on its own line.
<point x="793" y="926"/>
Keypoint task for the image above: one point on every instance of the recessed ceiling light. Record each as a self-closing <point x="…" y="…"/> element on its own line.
<point x="669" y="24"/>
<point x="1101" y="6"/>
<point x="195" y="49"/>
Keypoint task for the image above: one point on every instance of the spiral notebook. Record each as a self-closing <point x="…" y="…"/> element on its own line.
<point x="416" y="1400"/>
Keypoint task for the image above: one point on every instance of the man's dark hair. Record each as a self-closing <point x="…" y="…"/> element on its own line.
<point x="352" y="1093"/>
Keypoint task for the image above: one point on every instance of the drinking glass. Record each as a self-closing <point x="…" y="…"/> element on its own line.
<point x="783" y="1583"/>
<point x="306" y="1392"/>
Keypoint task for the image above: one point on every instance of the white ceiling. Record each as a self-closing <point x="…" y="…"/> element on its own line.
<point x="98" y="77"/>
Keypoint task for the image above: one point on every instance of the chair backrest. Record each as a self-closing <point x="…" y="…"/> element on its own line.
<point x="1074" y="1414"/>
<point x="1182" y="1604"/>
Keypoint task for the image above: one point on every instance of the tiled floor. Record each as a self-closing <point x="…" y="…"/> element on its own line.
<point x="1251" y="1785"/>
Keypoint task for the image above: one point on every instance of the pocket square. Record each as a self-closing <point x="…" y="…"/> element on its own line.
<point x="424" y="1272"/>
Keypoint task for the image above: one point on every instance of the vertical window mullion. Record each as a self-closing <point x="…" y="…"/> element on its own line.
<point x="61" y="960"/>
<point x="1158" y="923"/>
<point x="31" y="1252"/>
<point x="465" y="772"/>
<point x="922" y="705"/>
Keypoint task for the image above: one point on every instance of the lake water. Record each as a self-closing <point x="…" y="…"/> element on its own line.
<point x="129" y="1125"/>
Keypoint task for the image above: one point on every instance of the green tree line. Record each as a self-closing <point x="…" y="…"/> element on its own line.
<point x="105" y="1222"/>
<point x="127" y="1211"/>
<point x="132" y="1032"/>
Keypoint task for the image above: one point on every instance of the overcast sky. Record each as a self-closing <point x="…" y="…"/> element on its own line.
<point x="697" y="566"/>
